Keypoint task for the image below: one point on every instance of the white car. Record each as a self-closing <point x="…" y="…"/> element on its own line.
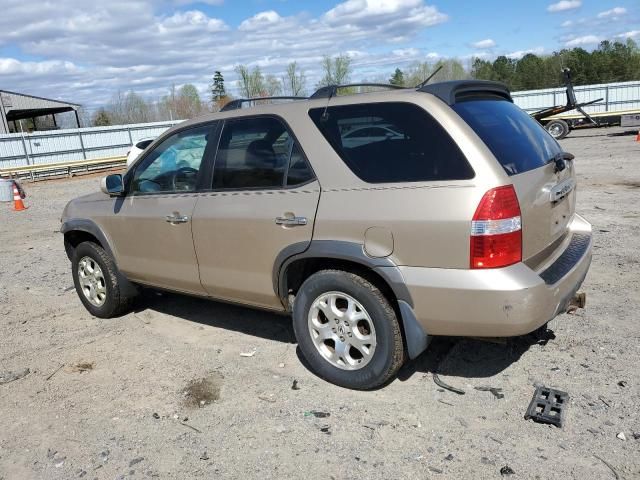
<point x="365" y="135"/>
<point x="137" y="148"/>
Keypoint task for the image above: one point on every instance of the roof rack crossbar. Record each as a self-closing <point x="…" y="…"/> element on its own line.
<point x="332" y="90"/>
<point x="237" y="103"/>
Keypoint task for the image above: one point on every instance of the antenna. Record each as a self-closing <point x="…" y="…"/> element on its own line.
<point x="429" y="78"/>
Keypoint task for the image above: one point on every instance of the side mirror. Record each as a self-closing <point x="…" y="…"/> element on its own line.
<point x="112" y="185"/>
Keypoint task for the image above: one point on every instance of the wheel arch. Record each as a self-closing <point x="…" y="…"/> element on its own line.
<point x="76" y="231"/>
<point x="297" y="262"/>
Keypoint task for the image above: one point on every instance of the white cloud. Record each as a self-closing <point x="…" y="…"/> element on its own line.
<point x="193" y="19"/>
<point x="261" y="20"/>
<point x="89" y="54"/>
<point x="566" y="23"/>
<point x="630" y="34"/>
<point x="214" y="3"/>
<point x="393" y="15"/>
<point x="614" y="12"/>
<point x="584" y="40"/>
<point x="564" y="5"/>
<point x="406" y="52"/>
<point x="488" y="43"/>
<point x="521" y="53"/>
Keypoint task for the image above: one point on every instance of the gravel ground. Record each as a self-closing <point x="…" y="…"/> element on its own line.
<point x="164" y="392"/>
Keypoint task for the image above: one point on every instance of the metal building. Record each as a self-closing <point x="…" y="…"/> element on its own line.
<point x="18" y="106"/>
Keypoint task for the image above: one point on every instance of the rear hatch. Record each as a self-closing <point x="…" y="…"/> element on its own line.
<point x="545" y="188"/>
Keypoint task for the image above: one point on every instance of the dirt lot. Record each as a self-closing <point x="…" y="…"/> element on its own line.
<point x="123" y="398"/>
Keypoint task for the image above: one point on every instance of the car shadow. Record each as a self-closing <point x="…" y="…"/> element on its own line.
<point x="256" y="323"/>
<point x="472" y="357"/>
<point x="446" y="356"/>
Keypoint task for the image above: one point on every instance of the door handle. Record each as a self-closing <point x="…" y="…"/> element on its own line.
<point x="176" y="218"/>
<point x="291" y="221"/>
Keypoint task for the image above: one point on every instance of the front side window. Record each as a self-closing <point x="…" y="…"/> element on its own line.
<point x="258" y="153"/>
<point x="174" y="164"/>
<point x="392" y="142"/>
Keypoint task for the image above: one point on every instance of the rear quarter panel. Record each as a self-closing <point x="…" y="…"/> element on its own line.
<point x="430" y="221"/>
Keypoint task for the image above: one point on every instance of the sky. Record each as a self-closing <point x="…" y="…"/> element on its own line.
<point x="84" y="52"/>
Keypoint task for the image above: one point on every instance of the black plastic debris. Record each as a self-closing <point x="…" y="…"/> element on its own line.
<point x="496" y="392"/>
<point x="548" y="406"/>
<point x="506" y="470"/>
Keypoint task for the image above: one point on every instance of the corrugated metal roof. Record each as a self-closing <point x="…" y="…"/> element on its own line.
<point x="14" y="106"/>
<point x="22" y="101"/>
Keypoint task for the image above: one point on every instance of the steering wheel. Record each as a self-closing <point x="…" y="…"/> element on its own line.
<point x="180" y="171"/>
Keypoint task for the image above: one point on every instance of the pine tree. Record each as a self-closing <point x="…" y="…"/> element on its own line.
<point x="397" y="78"/>
<point x="218" y="91"/>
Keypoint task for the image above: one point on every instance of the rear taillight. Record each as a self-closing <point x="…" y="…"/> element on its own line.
<point x="496" y="230"/>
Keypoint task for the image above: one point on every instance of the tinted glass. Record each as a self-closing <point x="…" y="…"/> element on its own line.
<point x="299" y="170"/>
<point x="392" y="142"/>
<point x="173" y="165"/>
<point x="518" y="142"/>
<point x="255" y="153"/>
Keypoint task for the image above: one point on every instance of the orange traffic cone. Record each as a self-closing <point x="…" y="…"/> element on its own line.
<point x="638" y="136"/>
<point x="18" y="204"/>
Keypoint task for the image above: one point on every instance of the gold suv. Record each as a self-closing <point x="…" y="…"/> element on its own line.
<point x="376" y="219"/>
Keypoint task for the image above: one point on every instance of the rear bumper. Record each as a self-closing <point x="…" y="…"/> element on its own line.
<point x="502" y="302"/>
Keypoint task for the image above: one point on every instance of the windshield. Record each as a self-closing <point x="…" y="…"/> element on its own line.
<point x="518" y="142"/>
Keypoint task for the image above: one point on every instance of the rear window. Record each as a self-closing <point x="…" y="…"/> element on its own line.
<point x="391" y="142"/>
<point x="518" y="142"/>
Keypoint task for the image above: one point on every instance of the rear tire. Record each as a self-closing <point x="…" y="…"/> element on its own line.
<point x="558" y="129"/>
<point x="97" y="282"/>
<point x="358" y="343"/>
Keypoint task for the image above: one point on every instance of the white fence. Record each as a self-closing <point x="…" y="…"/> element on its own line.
<point x="615" y="96"/>
<point x="39" y="148"/>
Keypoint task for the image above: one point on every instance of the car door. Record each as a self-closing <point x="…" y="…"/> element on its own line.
<point x="263" y="199"/>
<point x="151" y="225"/>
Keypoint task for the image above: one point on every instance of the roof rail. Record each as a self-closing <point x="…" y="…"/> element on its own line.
<point x="332" y="90"/>
<point x="237" y="103"/>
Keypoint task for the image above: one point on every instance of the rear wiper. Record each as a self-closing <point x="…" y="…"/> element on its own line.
<point x="559" y="159"/>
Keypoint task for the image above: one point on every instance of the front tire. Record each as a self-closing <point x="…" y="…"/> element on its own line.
<point x="347" y="330"/>
<point x="97" y="282"/>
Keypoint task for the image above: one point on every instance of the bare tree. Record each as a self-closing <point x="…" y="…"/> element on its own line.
<point x="337" y="71"/>
<point x="417" y="73"/>
<point x="294" y="81"/>
<point x="272" y="86"/>
<point x="251" y="82"/>
<point x="188" y="104"/>
<point x="127" y="108"/>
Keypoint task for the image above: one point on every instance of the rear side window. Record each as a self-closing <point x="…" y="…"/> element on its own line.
<point x="391" y="142"/>
<point x="258" y="152"/>
<point x="518" y="142"/>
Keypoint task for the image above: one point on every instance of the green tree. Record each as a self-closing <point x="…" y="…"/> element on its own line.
<point x="397" y="78"/>
<point x="528" y="73"/>
<point x="481" y="69"/>
<point x="218" y="91"/>
<point x="504" y="69"/>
